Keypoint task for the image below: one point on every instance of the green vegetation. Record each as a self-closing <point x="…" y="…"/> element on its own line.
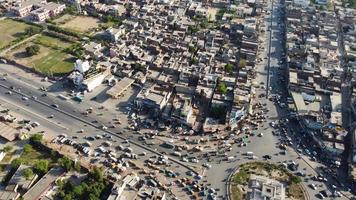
<point x="27" y="148"/>
<point x="193" y="29"/>
<point x="28" y="173"/>
<point x="242" y="63"/>
<point x="56" y="63"/>
<point x="66" y="163"/>
<point x="65" y="31"/>
<point x="218" y="112"/>
<point x="222" y="88"/>
<point x="111" y="20"/>
<point x="350" y="3"/>
<point x="32" y="30"/>
<point x="192" y="48"/>
<point x="41" y="167"/>
<point x="48" y="55"/>
<point x="296" y="179"/>
<point x="194" y="61"/>
<point x="277" y="172"/>
<point x="138" y="67"/>
<point x="16" y="163"/>
<point x="241" y="177"/>
<point x="229" y="68"/>
<point x="76" y="50"/>
<point x="91" y="188"/>
<point x="36" y="137"/>
<point x="220" y="14"/>
<point x="13" y="32"/>
<point x="8" y="148"/>
<point x="32" y="50"/>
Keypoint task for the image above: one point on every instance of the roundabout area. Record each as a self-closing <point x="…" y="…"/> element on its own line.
<point x="264" y="179"/>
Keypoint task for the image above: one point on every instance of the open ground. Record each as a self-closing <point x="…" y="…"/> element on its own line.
<point x="82" y="24"/>
<point x="51" y="59"/>
<point x="10" y="30"/>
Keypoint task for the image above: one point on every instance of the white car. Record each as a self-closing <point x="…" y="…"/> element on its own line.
<point x="24" y="98"/>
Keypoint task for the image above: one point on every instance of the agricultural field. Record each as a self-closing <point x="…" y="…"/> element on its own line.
<point x="11" y="30"/>
<point x="82" y="24"/>
<point x="51" y="58"/>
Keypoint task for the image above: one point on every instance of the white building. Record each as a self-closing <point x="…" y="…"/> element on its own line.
<point x="81" y="66"/>
<point x="261" y="187"/>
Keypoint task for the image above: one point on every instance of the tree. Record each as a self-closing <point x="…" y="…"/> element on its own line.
<point x="242" y="63"/>
<point x="27" y="148"/>
<point x="15" y="163"/>
<point x="32" y="30"/>
<point x="138" y="67"/>
<point x="8" y="148"/>
<point x="78" y="191"/>
<point x="96" y="174"/>
<point x="194" y="61"/>
<point x="296" y="179"/>
<point x="32" y="50"/>
<point x="66" y="163"/>
<point x="192" y="29"/>
<point x="36" y="137"/>
<point x="192" y="48"/>
<point x="229" y="67"/>
<point x="28" y="173"/>
<point x="218" y="111"/>
<point x="77" y="166"/>
<point x="222" y="88"/>
<point x="41" y="166"/>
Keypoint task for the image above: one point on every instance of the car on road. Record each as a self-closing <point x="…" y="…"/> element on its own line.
<point x="24" y="98"/>
<point x="313" y="186"/>
<point x="267" y="157"/>
<point x="55" y="105"/>
<point x="9" y="92"/>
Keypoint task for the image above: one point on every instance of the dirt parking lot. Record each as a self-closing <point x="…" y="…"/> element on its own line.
<point x="81" y="23"/>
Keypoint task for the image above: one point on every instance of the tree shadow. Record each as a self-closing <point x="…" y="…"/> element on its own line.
<point x="21" y="55"/>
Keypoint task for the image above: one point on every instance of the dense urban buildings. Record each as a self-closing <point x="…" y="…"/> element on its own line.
<point x="168" y="99"/>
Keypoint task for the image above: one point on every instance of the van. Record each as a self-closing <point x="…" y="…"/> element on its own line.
<point x="230" y="158"/>
<point x="249" y="153"/>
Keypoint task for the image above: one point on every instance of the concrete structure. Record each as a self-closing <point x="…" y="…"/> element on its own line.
<point x="43" y="184"/>
<point x="261" y="188"/>
<point x="120" y="87"/>
<point x="39" y="10"/>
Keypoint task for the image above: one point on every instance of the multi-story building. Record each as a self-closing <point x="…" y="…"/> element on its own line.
<point x="38" y="10"/>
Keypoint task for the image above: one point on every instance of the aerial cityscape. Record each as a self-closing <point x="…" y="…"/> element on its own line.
<point x="177" y="99"/>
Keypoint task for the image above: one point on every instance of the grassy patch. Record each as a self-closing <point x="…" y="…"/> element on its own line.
<point x="276" y="172"/>
<point x="55" y="63"/>
<point x="51" y="42"/>
<point x="51" y="59"/>
<point x="11" y="30"/>
<point x="236" y="193"/>
<point x="241" y="177"/>
<point x="295" y="191"/>
<point x="31" y="156"/>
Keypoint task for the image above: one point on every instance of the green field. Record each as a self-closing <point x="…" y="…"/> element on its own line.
<point x="51" y="59"/>
<point x="11" y="30"/>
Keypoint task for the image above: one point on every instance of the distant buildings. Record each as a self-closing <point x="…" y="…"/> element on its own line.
<point x="320" y="92"/>
<point x="38" y="10"/>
